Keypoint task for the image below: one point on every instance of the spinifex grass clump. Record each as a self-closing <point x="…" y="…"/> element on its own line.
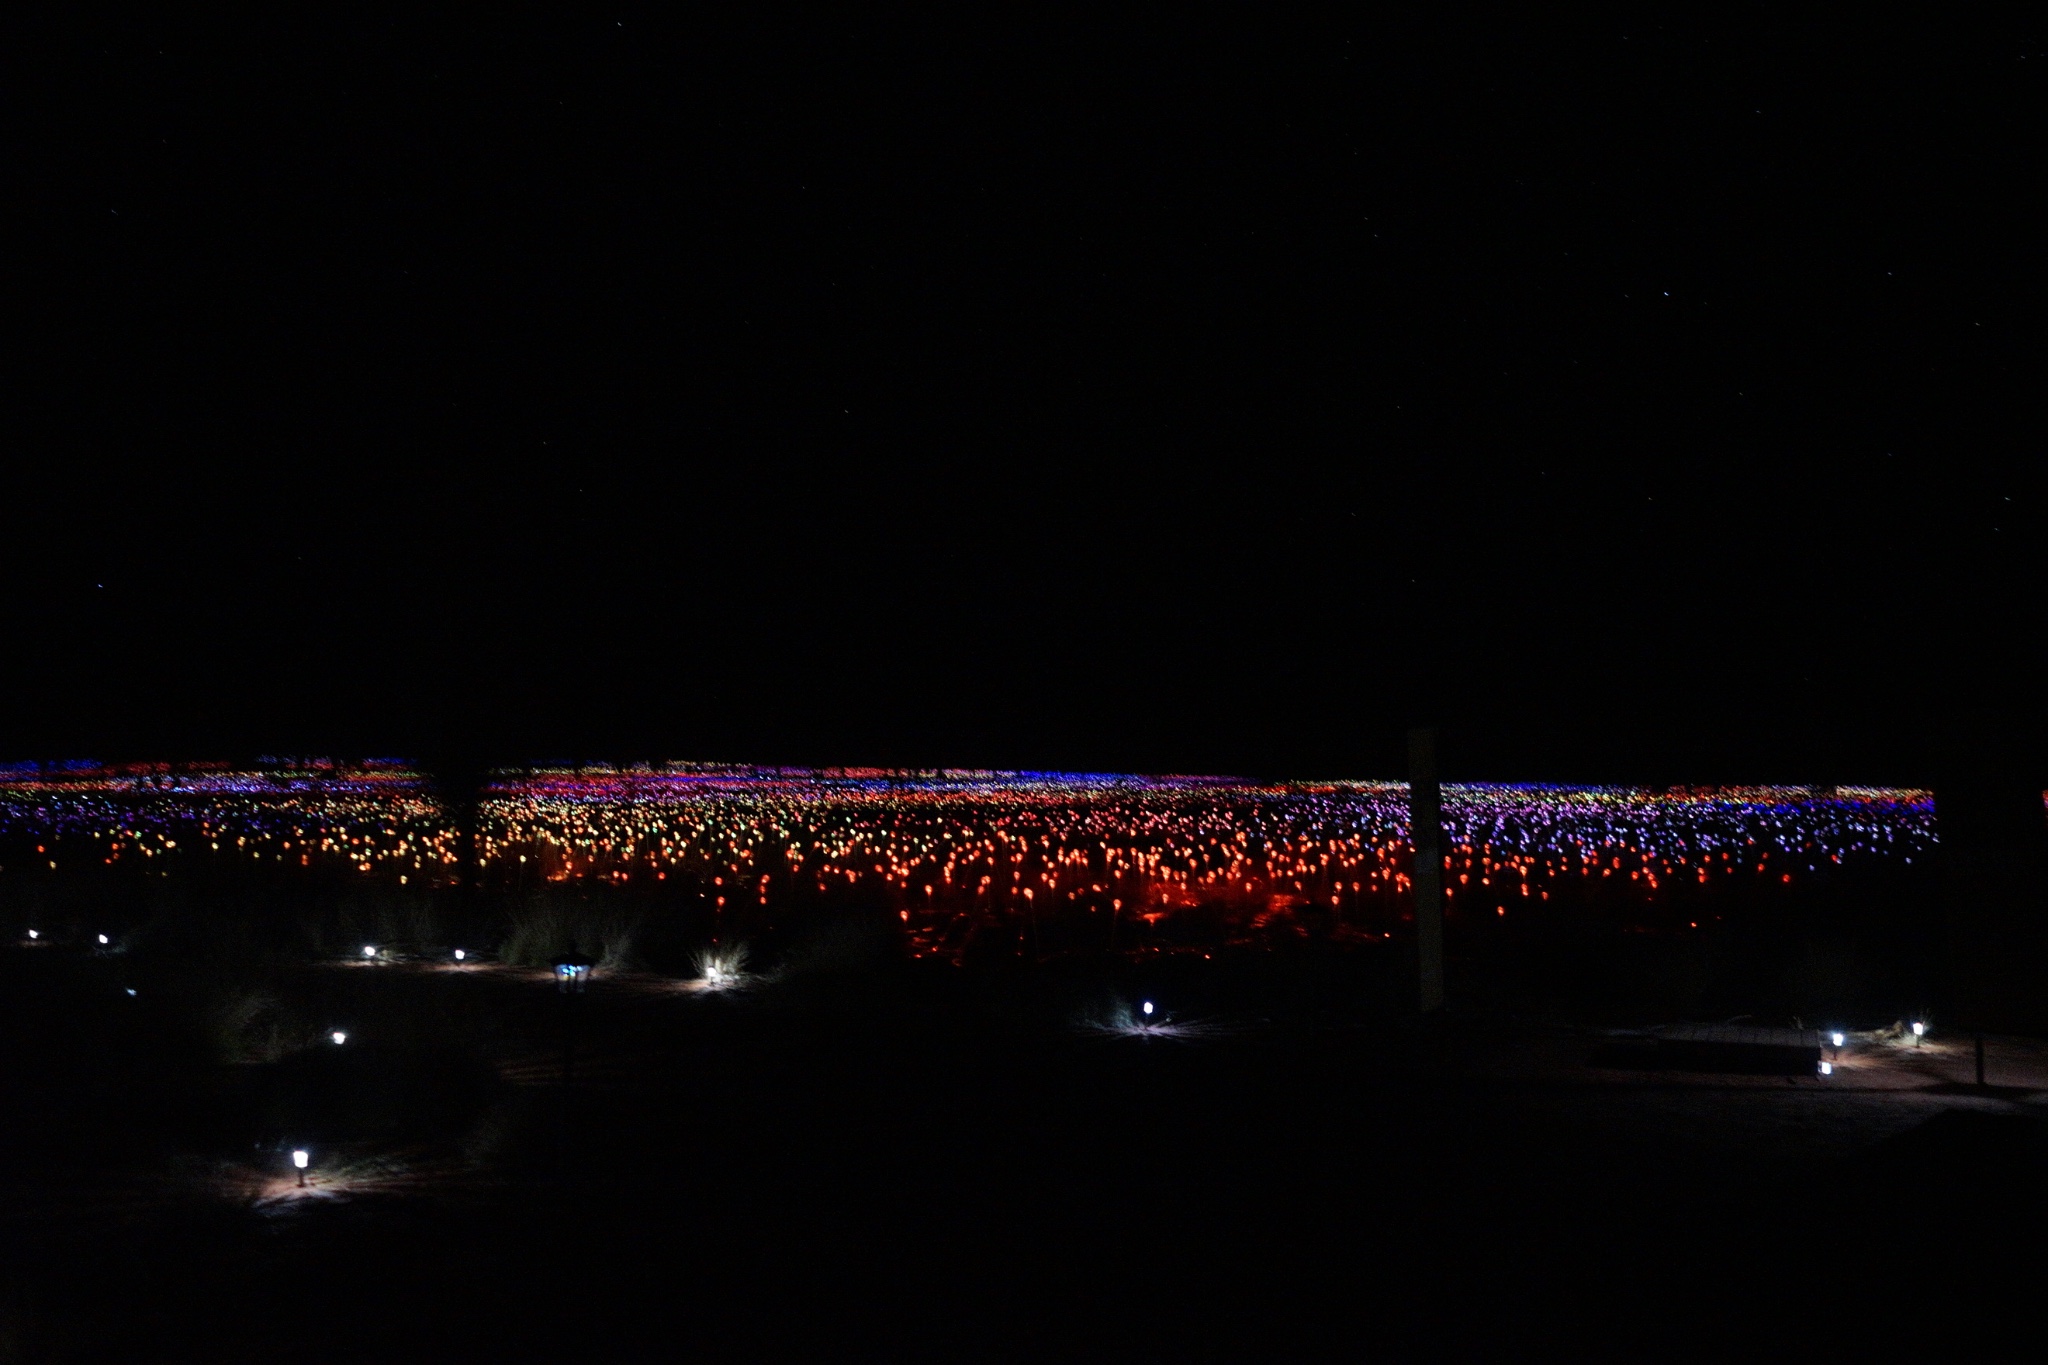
<point x="1146" y="1020"/>
<point x="723" y="968"/>
<point x="252" y="1024"/>
<point x="545" y="926"/>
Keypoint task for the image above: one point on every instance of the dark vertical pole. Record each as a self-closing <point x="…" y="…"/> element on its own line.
<point x="568" y="1097"/>
<point x="1994" y="866"/>
<point x="569" y="1039"/>
<point x="1425" y="832"/>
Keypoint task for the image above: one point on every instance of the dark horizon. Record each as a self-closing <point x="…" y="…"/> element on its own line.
<point x="1917" y="760"/>
<point x="1641" y="403"/>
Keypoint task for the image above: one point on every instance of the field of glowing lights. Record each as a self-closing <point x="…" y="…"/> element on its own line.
<point x="924" y="1024"/>
<point x="1032" y="863"/>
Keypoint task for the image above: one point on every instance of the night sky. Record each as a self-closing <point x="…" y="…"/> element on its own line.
<point x="1640" y="401"/>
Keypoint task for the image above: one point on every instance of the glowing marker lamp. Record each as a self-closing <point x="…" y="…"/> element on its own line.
<point x="1147" y="1007"/>
<point x="459" y="955"/>
<point x="1919" y="1031"/>
<point x="572" y="970"/>
<point x="1838" y="1038"/>
<point x="34" y="934"/>
<point x="369" y="951"/>
<point x="339" y="1036"/>
<point x="1827" y="1068"/>
<point x="299" y="1160"/>
<point x="103" y="940"/>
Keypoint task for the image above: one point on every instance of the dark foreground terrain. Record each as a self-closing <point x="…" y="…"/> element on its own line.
<point x="890" y="1163"/>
